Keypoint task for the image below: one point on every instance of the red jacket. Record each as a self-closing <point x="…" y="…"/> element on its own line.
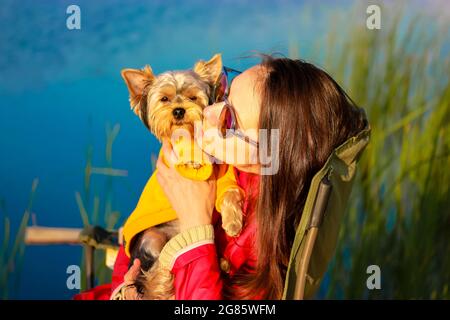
<point x="199" y="272"/>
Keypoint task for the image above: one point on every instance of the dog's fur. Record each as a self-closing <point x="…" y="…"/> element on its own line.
<point x="153" y="99"/>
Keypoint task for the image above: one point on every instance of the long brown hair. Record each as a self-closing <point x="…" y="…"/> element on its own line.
<point x="314" y="115"/>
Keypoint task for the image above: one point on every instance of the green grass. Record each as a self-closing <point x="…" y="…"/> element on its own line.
<point x="399" y="214"/>
<point x="13" y="249"/>
<point x="96" y="205"/>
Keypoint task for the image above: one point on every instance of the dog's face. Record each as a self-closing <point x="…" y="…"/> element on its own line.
<point x="173" y="99"/>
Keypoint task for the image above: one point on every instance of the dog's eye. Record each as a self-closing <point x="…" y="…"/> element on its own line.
<point x="164" y="99"/>
<point x="193" y="98"/>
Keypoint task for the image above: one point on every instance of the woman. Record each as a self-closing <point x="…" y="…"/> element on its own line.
<point x="312" y="115"/>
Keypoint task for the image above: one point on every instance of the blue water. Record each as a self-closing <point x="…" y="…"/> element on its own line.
<point x="59" y="88"/>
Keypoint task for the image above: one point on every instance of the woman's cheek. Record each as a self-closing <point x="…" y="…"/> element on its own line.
<point x="238" y="152"/>
<point x="231" y="150"/>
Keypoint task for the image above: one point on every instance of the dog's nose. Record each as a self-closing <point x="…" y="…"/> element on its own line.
<point x="178" y="113"/>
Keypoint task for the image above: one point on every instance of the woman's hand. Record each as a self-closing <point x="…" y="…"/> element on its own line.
<point x="129" y="279"/>
<point x="193" y="201"/>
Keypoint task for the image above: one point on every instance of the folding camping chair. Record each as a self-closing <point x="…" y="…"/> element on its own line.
<point x="316" y="236"/>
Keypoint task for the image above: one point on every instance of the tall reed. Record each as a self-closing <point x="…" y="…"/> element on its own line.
<point x="399" y="216"/>
<point x="12" y="250"/>
<point x="94" y="200"/>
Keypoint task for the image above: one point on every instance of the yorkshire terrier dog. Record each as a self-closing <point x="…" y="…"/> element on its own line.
<point x="165" y="103"/>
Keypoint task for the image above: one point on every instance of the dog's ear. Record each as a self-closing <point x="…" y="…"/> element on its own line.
<point x="209" y="70"/>
<point x="136" y="81"/>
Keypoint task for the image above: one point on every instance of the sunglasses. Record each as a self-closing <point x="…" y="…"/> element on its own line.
<point x="227" y="123"/>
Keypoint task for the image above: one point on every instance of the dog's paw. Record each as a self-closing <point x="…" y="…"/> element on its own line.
<point x="231" y="212"/>
<point x="232" y="228"/>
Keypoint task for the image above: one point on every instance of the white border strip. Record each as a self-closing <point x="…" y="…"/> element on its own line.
<point x="188" y="248"/>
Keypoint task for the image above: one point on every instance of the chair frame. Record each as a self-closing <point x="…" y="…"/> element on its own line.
<point x="320" y="205"/>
